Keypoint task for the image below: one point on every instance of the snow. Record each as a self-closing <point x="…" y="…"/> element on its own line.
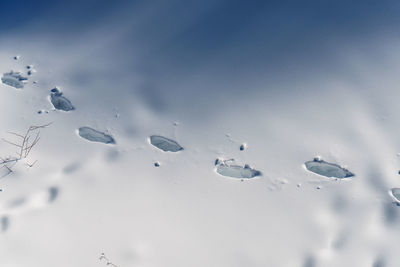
<point x="82" y="198"/>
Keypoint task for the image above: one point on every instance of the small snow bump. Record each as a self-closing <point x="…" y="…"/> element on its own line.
<point x="30" y="72"/>
<point x="55" y="90"/>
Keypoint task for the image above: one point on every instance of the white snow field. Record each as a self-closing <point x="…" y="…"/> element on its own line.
<point x="104" y="194"/>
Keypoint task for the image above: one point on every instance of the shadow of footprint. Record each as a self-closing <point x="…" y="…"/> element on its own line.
<point x="309" y="262"/>
<point x="379" y="263"/>
<point x="5" y="221"/>
<point x="22" y="205"/>
<point x="53" y="193"/>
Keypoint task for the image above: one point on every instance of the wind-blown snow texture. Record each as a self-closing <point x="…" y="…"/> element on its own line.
<point x="292" y="80"/>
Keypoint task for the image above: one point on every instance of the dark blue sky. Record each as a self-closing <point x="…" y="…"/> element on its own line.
<point x="260" y="29"/>
<point x="220" y="23"/>
<point x="226" y="17"/>
<point x="238" y="40"/>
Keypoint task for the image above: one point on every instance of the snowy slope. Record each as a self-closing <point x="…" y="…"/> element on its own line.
<point x="112" y="199"/>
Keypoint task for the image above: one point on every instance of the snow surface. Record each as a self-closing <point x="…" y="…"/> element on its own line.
<point x="82" y="198"/>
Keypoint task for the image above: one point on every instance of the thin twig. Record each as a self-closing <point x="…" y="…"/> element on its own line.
<point x="31" y="165"/>
<point x="24" y="148"/>
<point x="108" y="262"/>
<point x="11" y="143"/>
<point x="19" y="135"/>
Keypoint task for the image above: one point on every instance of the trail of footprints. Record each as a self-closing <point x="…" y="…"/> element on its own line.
<point x="227" y="168"/>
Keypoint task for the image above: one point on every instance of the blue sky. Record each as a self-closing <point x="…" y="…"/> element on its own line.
<point x="223" y="45"/>
<point x="184" y="31"/>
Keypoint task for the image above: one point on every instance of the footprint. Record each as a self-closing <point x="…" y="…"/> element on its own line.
<point x="165" y="144"/>
<point x="327" y="169"/>
<point x="395" y="193"/>
<point x="230" y="169"/>
<point x="59" y="101"/>
<point x="14" y="79"/>
<point x="95" y="136"/>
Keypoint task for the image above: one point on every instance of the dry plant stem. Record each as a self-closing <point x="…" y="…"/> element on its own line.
<point x="108" y="262"/>
<point x="24" y="145"/>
